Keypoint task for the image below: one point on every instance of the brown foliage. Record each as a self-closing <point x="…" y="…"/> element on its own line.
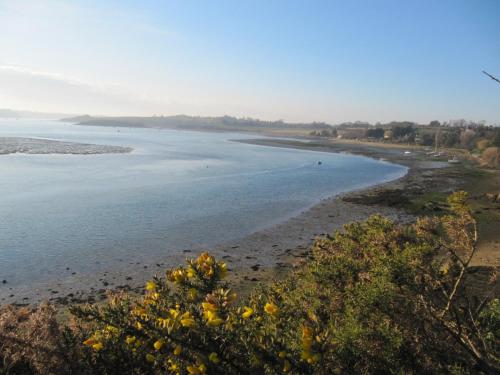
<point x="32" y="341"/>
<point x="491" y="157"/>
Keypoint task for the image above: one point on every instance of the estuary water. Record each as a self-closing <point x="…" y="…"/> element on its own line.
<point x="176" y="190"/>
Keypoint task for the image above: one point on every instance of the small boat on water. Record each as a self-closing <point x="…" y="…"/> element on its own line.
<point x="454" y="160"/>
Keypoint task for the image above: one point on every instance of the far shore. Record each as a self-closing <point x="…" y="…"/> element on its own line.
<point x="271" y="253"/>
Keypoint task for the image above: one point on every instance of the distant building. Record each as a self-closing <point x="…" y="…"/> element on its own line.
<point x="388" y="134"/>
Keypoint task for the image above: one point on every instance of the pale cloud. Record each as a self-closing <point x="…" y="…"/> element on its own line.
<point x="23" y="87"/>
<point x="79" y="57"/>
<point x="18" y="69"/>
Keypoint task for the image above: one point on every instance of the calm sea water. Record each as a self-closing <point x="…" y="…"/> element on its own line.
<point x="176" y="190"/>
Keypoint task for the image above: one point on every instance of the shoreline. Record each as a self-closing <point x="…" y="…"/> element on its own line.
<point x="258" y="257"/>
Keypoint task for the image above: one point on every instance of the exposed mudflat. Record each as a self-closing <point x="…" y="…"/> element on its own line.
<point x="17" y="145"/>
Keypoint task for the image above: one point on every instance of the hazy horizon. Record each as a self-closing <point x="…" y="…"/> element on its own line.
<point x="325" y="61"/>
<point x="28" y="114"/>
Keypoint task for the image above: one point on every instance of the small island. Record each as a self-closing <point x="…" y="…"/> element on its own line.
<point x="18" y="145"/>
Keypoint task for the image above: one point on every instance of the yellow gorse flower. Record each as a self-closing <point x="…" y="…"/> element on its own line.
<point x="204" y="264"/>
<point x="192" y="293"/>
<point x="140" y="312"/>
<point x="197" y="370"/>
<point x="158" y="344"/>
<point x="177" y="276"/>
<point x="207" y="306"/>
<point x="310" y="357"/>
<point x="174" y="313"/>
<point x="222" y="270"/>
<point x="205" y="258"/>
<point x="255" y="361"/>
<point x="150" y="286"/>
<point x="187" y="320"/>
<point x="210" y="314"/>
<point x="247" y="312"/>
<point x="89" y="342"/>
<point x="307" y="338"/>
<point x="172" y="366"/>
<point x="286" y="367"/>
<point x="214" y="358"/>
<point x="271" y="309"/>
<point x="190" y="272"/>
<point x="212" y="318"/>
<point x="215" y="322"/>
<point x="111" y="329"/>
<point x="232" y="297"/>
<point x="307" y="341"/>
<point x="177" y="350"/>
<point x="163" y="322"/>
<point x="130" y="339"/>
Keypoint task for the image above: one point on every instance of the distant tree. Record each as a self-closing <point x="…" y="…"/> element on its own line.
<point x="428" y="139"/>
<point x="460" y="123"/>
<point x="496" y="139"/>
<point x="376" y="133"/>
<point x="450" y="138"/>
<point x="434" y="123"/>
<point x="467" y="138"/>
<point x="403" y="132"/>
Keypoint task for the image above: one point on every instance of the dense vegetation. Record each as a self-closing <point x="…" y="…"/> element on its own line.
<point x="375" y="298"/>
<point x="479" y="140"/>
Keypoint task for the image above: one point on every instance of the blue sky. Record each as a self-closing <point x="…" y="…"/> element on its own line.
<point x="328" y="61"/>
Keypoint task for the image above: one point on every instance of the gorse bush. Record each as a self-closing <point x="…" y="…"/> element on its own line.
<point x="34" y="342"/>
<point x="375" y="298"/>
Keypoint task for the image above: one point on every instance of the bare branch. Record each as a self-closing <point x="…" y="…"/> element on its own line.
<point x="492" y="77"/>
